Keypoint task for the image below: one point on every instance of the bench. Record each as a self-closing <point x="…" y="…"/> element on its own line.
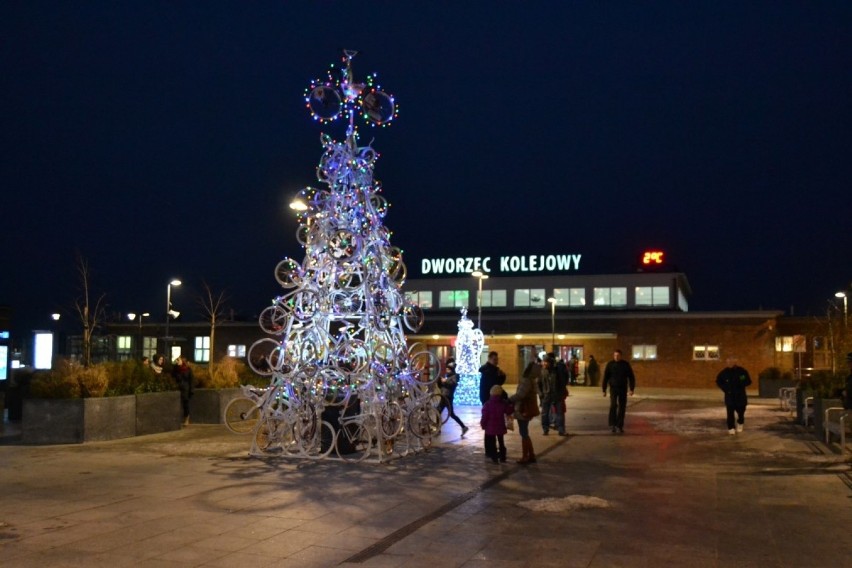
<point x="836" y="419"/>
<point x="787" y="398"/>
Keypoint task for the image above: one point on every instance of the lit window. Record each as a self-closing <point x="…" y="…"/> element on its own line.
<point x="422" y="299"/>
<point x="236" y="350"/>
<point x="705" y="353"/>
<point x="454" y="298"/>
<point x="572" y="297"/>
<point x="645" y="352"/>
<point x="202" y="349"/>
<point x="610" y="297"/>
<point x="493" y="298"/>
<point x="652" y="295"/>
<point x="530" y="298"/>
<point x="784" y="344"/>
<point x="123" y="347"/>
<point x="149" y="347"/>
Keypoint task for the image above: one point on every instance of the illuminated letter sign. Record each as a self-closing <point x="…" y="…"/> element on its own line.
<point x="507" y="264"/>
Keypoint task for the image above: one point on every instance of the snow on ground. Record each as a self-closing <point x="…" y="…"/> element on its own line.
<point x="565" y="504"/>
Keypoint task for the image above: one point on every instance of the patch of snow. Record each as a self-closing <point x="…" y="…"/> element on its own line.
<point x="565" y="504"/>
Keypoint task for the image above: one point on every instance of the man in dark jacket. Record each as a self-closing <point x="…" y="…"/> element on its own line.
<point x="733" y="381"/>
<point x="490" y="375"/>
<point x="618" y="375"/>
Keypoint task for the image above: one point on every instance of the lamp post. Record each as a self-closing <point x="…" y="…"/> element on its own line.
<point x="170" y="312"/>
<point x="845" y="311"/>
<point x="481" y="276"/>
<point x="132" y="316"/>
<point x="552" y="324"/>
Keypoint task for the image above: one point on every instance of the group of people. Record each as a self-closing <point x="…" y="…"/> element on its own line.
<point x="182" y="374"/>
<point x="543" y="389"/>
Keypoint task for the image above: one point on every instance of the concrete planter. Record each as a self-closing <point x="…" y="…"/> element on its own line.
<point x="208" y="405"/>
<point x="72" y="421"/>
<point x="158" y="412"/>
<point x="768" y="388"/>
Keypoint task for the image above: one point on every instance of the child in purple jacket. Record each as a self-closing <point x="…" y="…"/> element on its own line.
<point x="493" y="421"/>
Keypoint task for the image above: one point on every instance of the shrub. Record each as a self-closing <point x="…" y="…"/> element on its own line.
<point x="823" y="384"/>
<point x="775" y="374"/>
<point x="227" y="373"/>
<point x="69" y="379"/>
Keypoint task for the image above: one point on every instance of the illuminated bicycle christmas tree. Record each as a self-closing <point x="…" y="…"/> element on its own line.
<point x="336" y="332"/>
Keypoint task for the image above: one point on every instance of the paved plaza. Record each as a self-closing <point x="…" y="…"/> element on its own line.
<point x="674" y="490"/>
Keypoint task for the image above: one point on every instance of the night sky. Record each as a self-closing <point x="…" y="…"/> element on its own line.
<point x="165" y="139"/>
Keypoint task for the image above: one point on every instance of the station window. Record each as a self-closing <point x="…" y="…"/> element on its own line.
<point x="493" y="298"/>
<point x="124" y="347"/>
<point x="645" y="352"/>
<point x="530" y="298"/>
<point x="149" y="347"/>
<point x="652" y="295"/>
<point x="202" y="349"/>
<point x="454" y="299"/>
<point x="422" y="299"/>
<point x="705" y="353"/>
<point x="615" y="297"/>
<point x="572" y="297"/>
<point x="236" y="350"/>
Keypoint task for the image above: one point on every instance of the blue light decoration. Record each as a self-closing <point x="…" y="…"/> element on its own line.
<point x="336" y="335"/>
<point x="469" y="344"/>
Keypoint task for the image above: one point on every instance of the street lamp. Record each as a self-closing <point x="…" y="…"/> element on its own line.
<point x="132" y="316"/>
<point x="845" y="312"/>
<point x="552" y="324"/>
<point x="481" y="276"/>
<point x="170" y="312"/>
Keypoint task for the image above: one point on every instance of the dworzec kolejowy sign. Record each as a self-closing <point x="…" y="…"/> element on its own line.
<point x="502" y="264"/>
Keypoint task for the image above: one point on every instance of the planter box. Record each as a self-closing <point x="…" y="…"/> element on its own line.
<point x="768" y="388"/>
<point x="207" y="406"/>
<point x="72" y="421"/>
<point x="158" y="412"/>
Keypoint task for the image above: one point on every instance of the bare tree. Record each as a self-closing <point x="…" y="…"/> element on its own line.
<point x="213" y="306"/>
<point x="90" y="316"/>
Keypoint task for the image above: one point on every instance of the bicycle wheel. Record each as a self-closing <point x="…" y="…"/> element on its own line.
<point x="392" y="420"/>
<point x="314" y="439"/>
<point x="441" y="405"/>
<point x="354" y="442"/>
<point x="424" y="422"/>
<point x="241" y="415"/>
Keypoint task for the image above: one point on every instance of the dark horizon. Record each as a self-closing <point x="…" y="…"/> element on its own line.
<point x="165" y="141"/>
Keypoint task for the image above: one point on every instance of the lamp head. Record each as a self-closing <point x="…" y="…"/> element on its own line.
<point x="131" y="316"/>
<point x="175" y="282"/>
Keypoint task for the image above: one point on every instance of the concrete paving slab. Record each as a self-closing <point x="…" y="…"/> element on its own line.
<point x="681" y="492"/>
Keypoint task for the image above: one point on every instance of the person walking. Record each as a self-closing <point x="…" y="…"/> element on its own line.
<point x="182" y="374"/>
<point x="493" y="421"/>
<point x="448" y="384"/>
<point x="547" y="395"/>
<point x="557" y="418"/>
<point x="526" y="408"/>
<point x="847" y="391"/>
<point x="593" y="371"/>
<point x="733" y="381"/>
<point x="489" y="375"/>
<point x="618" y="376"/>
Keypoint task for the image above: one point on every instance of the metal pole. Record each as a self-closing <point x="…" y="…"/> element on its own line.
<point x="168" y="309"/>
<point x="479" y="306"/>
